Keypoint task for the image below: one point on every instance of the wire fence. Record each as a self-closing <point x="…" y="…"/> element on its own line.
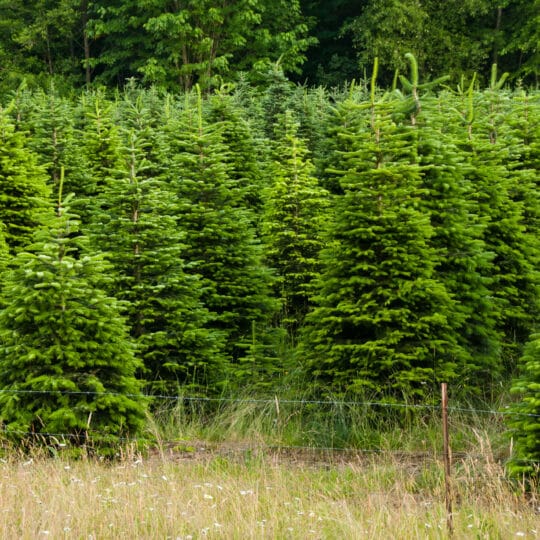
<point x="84" y="436"/>
<point x="281" y="401"/>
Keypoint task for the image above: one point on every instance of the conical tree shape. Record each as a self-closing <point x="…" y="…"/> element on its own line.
<point x="498" y="199"/>
<point x="96" y="154"/>
<point x="525" y="414"/>
<point x="137" y="231"/>
<point x="243" y="158"/>
<point x="50" y="120"/>
<point x="381" y="324"/>
<point x="295" y="211"/>
<point x="220" y="241"/>
<point x="462" y="259"/>
<point x="24" y="194"/>
<point x="67" y="365"/>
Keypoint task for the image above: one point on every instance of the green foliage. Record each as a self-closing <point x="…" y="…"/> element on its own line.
<point x="177" y="44"/>
<point x="180" y="44"/>
<point x="452" y="37"/>
<point x="220" y="241"/>
<point x="382" y="318"/>
<point x="23" y="190"/>
<point x="43" y="41"/>
<point x="67" y="365"/>
<point x="499" y="188"/>
<point x="292" y="226"/>
<point x="525" y="417"/>
<point x="464" y="261"/>
<point x="135" y="227"/>
<point x="243" y="153"/>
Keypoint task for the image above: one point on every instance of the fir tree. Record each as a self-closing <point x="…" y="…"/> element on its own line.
<point x="220" y="241"/>
<point x="295" y="211"/>
<point x="24" y="192"/>
<point x="96" y="154"/>
<point x="525" y="414"/>
<point x="243" y="156"/>
<point x="50" y="121"/>
<point x="136" y="228"/>
<point x="67" y="365"/>
<point x="381" y="321"/>
<point x="462" y="261"/>
<point x="498" y="199"/>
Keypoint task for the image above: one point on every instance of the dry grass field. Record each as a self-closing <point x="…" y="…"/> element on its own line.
<point x="249" y="494"/>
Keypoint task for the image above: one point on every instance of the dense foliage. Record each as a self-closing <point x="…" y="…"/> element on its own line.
<point x="177" y="43"/>
<point x="67" y="366"/>
<point x="525" y="419"/>
<point x="371" y="243"/>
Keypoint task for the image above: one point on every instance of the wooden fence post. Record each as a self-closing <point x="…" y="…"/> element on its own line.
<point x="447" y="461"/>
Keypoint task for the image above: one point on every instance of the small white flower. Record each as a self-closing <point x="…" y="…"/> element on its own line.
<point x="208" y="496"/>
<point x="520" y="533"/>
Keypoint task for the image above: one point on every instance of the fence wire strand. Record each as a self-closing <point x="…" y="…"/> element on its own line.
<point x="273" y="400"/>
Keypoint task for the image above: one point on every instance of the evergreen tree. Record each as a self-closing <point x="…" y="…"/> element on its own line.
<point x="136" y="228"/>
<point x="220" y="243"/>
<point x="23" y="189"/>
<point x="67" y="366"/>
<point x="525" y="414"/>
<point x="296" y="207"/>
<point x="381" y="321"/>
<point x="50" y="122"/>
<point x="462" y="259"/>
<point x="244" y="161"/>
<point x="498" y="197"/>
<point x="464" y="262"/>
<point x="96" y="153"/>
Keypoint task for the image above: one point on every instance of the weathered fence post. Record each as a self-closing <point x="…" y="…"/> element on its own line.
<point x="447" y="461"/>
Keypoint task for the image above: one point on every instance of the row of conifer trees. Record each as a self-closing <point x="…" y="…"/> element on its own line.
<point x="374" y="242"/>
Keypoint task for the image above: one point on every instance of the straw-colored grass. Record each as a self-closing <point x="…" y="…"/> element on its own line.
<point x="249" y="495"/>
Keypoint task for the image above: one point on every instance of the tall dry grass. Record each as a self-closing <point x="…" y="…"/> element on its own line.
<point x="251" y="496"/>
